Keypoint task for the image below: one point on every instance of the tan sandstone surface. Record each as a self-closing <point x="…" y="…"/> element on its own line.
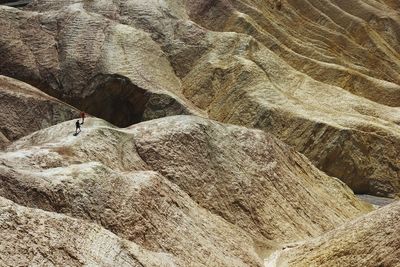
<point x="323" y="76"/>
<point x="91" y="62"/>
<point x="32" y="237"/>
<point x="206" y="193"/>
<point x="371" y="240"/>
<point x="25" y="109"/>
<point x="276" y="98"/>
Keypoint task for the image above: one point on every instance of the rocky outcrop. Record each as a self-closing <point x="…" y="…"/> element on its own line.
<point x="254" y="88"/>
<point x="25" y="109"/>
<point x="321" y="76"/>
<point x="245" y="81"/>
<point x="230" y="180"/>
<point x="372" y="240"/>
<point x="207" y="193"/>
<point x="76" y="56"/>
<point x="35" y="237"/>
<point x="353" y="45"/>
<point x="116" y="99"/>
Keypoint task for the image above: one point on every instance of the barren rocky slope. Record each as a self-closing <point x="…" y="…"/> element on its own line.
<point x="372" y="240"/>
<point x="323" y="76"/>
<point x="206" y="193"/>
<point x="32" y="237"/>
<point x="350" y="44"/>
<point x="25" y="109"/>
<point x="90" y="62"/>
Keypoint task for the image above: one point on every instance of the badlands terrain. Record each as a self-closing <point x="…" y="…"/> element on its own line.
<point x="219" y="133"/>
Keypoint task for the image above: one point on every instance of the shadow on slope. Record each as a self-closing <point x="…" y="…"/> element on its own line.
<point x="117" y="100"/>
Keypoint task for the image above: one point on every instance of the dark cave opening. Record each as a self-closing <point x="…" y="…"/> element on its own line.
<point x="115" y="99"/>
<point x="111" y="97"/>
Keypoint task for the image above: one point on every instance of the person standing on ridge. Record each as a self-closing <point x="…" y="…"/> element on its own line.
<point x="83" y="116"/>
<point x="77" y="127"/>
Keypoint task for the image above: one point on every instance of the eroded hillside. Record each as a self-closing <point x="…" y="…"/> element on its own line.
<point x="323" y="76"/>
<point x="25" y="109"/>
<point x="350" y="244"/>
<point x="181" y="185"/>
<point x="219" y="132"/>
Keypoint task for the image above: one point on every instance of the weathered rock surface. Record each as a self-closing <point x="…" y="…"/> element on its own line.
<point x="323" y="76"/>
<point x="235" y="172"/>
<point x="39" y="238"/>
<point x="25" y="109"/>
<point x="372" y="240"/>
<point x="207" y="193"/>
<point x="91" y="62"/>
<point x="350" y="44"/>
<point x="242" y="82"/>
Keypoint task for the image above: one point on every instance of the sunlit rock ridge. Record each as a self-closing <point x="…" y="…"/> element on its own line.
<point x="182" y="185"/>
<point x="323" y="76"/>
<point x="218" y="132"/>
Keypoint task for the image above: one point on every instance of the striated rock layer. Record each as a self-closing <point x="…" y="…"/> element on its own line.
<point x="25" y="109"/>
<point x="35" y="237"/>
<point x="96" y="64"/>
<point x="350" y="44"/>
<point x="372" y="240"/>
<point x="301" y="78"/>
<point x="323" y="76"/>
<point x="207" y="193"/>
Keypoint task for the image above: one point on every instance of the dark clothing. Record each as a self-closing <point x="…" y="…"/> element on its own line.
<point x="78" y="126"/>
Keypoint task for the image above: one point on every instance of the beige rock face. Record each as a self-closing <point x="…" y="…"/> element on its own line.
<point x="242" y="175"/>
<point x="35" y="237"/>
<point x="207" y="193"/>
<point x="372" y="240"/>
<point x="91" y="62"/>
<point x="246" y="82"/>
<point x="25" y="109"/>
<point x="323" y="76"/>
<point x="350" y="44"/>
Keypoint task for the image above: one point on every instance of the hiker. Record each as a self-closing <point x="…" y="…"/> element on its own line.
<point x="83" y="116"/>
<point x="78" y="127"/>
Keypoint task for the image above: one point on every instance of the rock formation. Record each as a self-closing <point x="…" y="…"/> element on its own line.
<point x="207" y="193"/>
<point x="35" y="237"/>
<point x="323" y="76"/>
<point x="222" y="126"/>
<point x="372" y="240"/>
<point x="104" y="68"/>
<point x="25" y="109"/>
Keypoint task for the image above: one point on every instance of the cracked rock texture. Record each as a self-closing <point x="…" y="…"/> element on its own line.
<point x="206" y="193"/>
<point x="323" y="76"/>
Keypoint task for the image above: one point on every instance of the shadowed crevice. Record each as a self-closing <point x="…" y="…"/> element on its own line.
<point x="117" y="100"/>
